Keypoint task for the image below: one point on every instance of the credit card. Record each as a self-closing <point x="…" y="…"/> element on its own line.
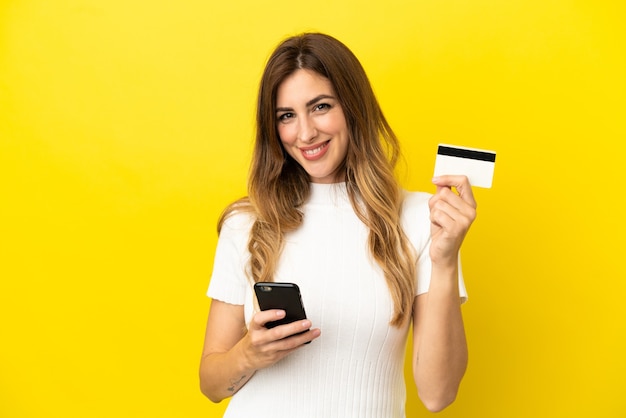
<point x="476" y="164"/>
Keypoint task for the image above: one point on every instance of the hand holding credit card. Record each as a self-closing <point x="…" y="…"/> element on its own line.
<point x="476" y="164"/>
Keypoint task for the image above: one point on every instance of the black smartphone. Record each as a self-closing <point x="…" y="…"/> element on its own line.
<point x="285" y="296"/>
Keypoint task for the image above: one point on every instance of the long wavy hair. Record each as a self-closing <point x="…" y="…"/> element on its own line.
<point x="278" y="186"/>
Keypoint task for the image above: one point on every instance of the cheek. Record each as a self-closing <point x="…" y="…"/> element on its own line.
<point x="337" y="124"/>
<point x="286" y="134"/>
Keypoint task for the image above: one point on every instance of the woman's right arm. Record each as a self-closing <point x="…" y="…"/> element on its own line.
<point x="233" y="354"/>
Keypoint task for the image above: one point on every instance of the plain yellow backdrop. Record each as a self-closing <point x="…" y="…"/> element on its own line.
<point x="126" y="126"/>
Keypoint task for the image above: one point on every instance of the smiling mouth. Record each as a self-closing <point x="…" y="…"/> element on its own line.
<point x="312" y="152"/>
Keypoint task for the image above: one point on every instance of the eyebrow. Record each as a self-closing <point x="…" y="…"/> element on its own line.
<point x="309" y="103"/>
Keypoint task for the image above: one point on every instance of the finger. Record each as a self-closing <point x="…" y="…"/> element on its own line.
<point x="260" y="319"/>
<point x="450" y="211"/>
<point x="307" y="337"/>
<point x="284" y="338"/>
<point x="287" y="330"/>
<point x="441" y="214"/>
<point x="454" y="202"/>
<point x="460" y="183"/>
<point x="296" y="340"/>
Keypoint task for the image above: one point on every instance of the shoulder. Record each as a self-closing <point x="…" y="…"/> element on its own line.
<point x="416" y="217"/>
<point x="416" y="202"/>
<point x="237" y="223"/>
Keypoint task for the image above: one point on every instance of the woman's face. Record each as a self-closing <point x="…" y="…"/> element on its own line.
<point x="312" y="126"/>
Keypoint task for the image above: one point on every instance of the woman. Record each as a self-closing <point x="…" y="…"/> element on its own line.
<point x="325" y="211"/>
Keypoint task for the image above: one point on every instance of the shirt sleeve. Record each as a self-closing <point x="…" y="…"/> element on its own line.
<point x="229" y="279"/>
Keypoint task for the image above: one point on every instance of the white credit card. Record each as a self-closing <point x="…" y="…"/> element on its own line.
<point x="476" y="164"/>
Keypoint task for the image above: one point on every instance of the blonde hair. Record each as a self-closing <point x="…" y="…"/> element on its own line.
<point x="278" y="186"/>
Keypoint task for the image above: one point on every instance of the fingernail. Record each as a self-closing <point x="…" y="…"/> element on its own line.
<point x="435" y="179"/>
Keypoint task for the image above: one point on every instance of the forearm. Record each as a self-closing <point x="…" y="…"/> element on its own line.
<point x="223" y="374"/>
<point x="440" y="362"/>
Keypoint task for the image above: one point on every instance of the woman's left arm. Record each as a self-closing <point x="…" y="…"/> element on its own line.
<point x="439" y="344"/>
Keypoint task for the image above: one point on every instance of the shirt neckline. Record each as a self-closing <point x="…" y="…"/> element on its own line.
<point x="325" y="193"/>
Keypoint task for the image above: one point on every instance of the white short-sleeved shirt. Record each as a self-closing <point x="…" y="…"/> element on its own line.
<point x="355" y="368"/>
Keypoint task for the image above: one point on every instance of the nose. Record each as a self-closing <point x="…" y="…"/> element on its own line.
<point x="306" y="130"/>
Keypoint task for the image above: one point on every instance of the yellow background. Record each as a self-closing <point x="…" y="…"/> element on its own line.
<point x="126" y="126"/>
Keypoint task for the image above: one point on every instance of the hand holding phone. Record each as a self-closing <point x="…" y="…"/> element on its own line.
<point x="284" y="296"/>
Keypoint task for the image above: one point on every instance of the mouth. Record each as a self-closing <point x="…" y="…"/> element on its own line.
<point x="316" y="151"/>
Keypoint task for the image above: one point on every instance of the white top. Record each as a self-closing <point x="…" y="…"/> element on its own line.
<point x="355" y="368"/>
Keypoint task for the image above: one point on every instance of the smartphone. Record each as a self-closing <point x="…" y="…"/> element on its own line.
<point x="285" y="296"/>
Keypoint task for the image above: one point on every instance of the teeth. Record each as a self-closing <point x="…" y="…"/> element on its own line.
<point x="314" y="151"/>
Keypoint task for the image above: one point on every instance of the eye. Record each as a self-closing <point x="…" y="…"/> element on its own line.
<point x="284" y="117"/>
<point x="322" y="107"/>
